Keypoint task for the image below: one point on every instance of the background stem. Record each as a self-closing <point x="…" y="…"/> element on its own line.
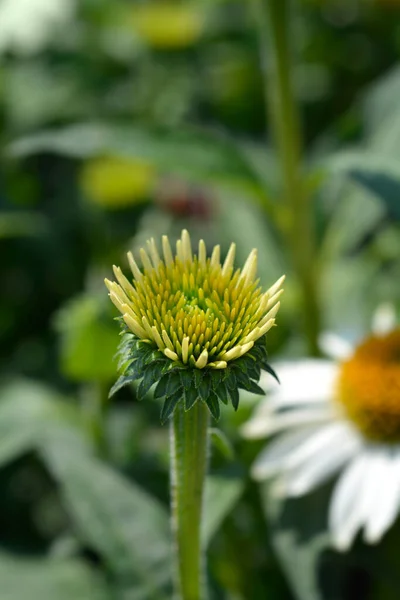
<point x="189" y="456"/>
<point x="297" y="225"/>
<point x="95" y="404"/>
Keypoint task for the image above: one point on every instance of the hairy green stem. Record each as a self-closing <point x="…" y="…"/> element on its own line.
<point x="274" y="25"/>
<point x="189" y="458"/>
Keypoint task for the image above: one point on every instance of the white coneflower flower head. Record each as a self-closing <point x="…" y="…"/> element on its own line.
<point x="338" y="418"/>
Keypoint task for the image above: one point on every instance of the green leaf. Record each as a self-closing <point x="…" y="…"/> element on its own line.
<point x="196" y="154"/>
<point x="49" y="578"/>
<point x="31" y="413"/>
<point x="221" y="495"/>
<point x="88" y="339"/>
<point x="213" y="405"/>
<point x="170" y="405"/>
<point x="20" y="224"/>
<point x="126" y="526"/>
<point x="384" y="186"/>
<point x="298" y="529"/>
<point x="222" y="443"/>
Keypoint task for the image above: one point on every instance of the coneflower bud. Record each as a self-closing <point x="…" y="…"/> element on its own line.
<point x="193" y="324"/>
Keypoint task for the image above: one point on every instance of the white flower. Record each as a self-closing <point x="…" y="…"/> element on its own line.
<point x="341" y="417"/>
<point x="27" y="25"/>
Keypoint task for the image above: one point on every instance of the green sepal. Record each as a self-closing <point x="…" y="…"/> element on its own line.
<point x="169" y="405"/>
<point x="121" y="382"/>
<point x="204" y="388"/>
<point x="222" y="393"/>
<point x="191" y="396"/>
<point x="140" y="360"/>
<point x="231" y="380"/>
<point x="186" y="378"/>
<point x="253" y="387"/>
<point x="267" y="367"/>
<point x="213" y="405"/>
<point x="152" y="374"/>
<point x="216" y="378"/>
<point x="161" y="388"/>
<point x="197" y="377"/>
<point x="234" y="394"/>
<point x="174" y="383"/>
<point x="254" y="371"/>
<point x="124" y="362"/>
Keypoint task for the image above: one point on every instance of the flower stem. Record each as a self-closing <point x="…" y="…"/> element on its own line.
<point x="297" y="224"/>
<point x="189" y="458"/>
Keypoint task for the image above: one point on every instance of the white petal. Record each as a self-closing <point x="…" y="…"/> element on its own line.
<point x="384" y="512"/>
<point x="322" y="465"/>
<point x="271" y="459"/>
<point x="302" y="381"/>
<point x="345" y="511"/>
<point x="384" y="319"/>
<point x="326" y="439"/>
<point x="267" y="421"/>
<point x="255" y="427"/>
<point x="335" y="346"/>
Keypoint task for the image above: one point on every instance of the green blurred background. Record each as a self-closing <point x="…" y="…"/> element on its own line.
<point x="122" y="120"/>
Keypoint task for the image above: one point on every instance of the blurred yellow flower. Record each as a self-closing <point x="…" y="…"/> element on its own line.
<point x="116" y="182"/>
<point x="168" y="25"/>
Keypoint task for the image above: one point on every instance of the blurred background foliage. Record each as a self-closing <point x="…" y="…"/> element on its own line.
<point x="121" y="120"/>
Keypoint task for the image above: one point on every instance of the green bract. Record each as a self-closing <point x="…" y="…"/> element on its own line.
<point x="176" y="382"/>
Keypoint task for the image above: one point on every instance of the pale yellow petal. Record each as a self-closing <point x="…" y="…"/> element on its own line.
<point x="145" y="260"/>
<point x="230" y="257"/>
<point x="134" y="268"/>
<point x="273" y="299"/>
<point x="123" y="281"/>
<point x="147" y="327"/>
<point x="202" y="253"/>
<point x="219" y="364"/>
<point x="267" y="326"/>
<point x="167" y="340"/>
<point x="135" y="327"/>
<point x="274" y="288"/>
<point x="202" y="360"/>
<point x="185" y="349"/>
<point x="171" y="354"/>
<point x="155" y="257"/>
<point x="215" y="256"/>
<point x="169" y="259"/>
<point x="186" y="246"/>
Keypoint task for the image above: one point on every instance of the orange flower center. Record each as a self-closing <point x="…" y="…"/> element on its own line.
<point x="369" y="387"/>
